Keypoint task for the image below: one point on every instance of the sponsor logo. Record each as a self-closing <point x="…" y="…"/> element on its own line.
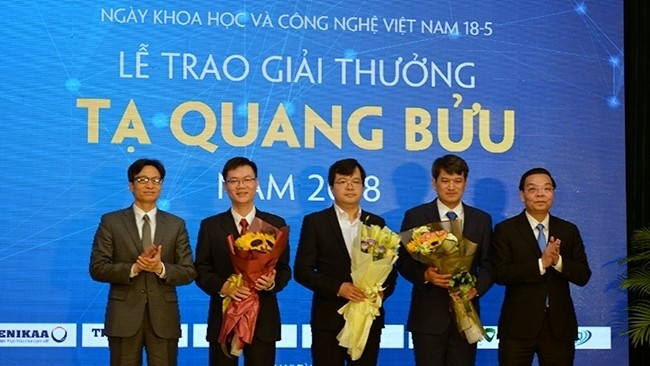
<point x="59" y="334"/>
<point x="490" y="333"/>
<point x="583" y="337"/>
<point x="93" y="335"/>
<point x="38" y="335"/>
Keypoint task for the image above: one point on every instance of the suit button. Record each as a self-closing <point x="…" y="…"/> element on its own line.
<point x="143" y="291"/>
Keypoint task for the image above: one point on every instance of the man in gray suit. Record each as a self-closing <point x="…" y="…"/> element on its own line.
<point x="144" y="253"/>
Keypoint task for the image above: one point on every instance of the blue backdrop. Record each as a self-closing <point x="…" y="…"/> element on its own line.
<point x="90" y="86"/>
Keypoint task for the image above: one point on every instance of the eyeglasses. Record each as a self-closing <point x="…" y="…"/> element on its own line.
<point x="535" y="190"/>
<point x="234" y="182"/>
<point x="346" y="182"/>
<point x="144" y="180"/>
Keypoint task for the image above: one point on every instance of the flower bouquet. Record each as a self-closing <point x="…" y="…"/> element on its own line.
<point x="253" y="255"/>
<point x="442" y="245"/>
<point x="374" y="251"/>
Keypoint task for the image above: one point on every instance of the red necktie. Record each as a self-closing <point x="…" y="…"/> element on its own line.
<point x="244" y="226"/>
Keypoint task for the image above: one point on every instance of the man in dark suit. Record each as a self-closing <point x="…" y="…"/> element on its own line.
<point x="436" y="339"/>
<point x="144" y="253"/>
<point x="214" y="267"/>
<point x="537" y="315"/>
<point x="323" y="265"/>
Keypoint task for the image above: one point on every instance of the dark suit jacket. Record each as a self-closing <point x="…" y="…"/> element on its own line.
<point x="430" y="307"/>
<point x="116" y="247"/>
<point x="323" y="263"/>
<point x="214" y="267"/>
<point x="515" y="258"/>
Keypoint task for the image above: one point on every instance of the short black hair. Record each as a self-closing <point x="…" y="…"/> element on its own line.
<point x="450" y="163"/>
<point x="139" y="164"/>
<point x="537" y="170"/>
<point x="235" y="163"/>
<point x="345" y="167"/>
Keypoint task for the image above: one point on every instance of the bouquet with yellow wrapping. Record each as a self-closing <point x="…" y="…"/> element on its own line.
<point x="374" y="251"/>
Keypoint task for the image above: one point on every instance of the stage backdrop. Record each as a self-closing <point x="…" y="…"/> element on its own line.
<point x="90" y="86"/>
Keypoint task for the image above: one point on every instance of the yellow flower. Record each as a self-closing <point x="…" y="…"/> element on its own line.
<point x="426" y="241"/>
<point x="260" y="242"/>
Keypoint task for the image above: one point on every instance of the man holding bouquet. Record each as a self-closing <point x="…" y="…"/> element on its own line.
<point x="215" y="269"/>
<point x="536" y="256"/>
<point x="436" y="338"/>
<point x="323" y="265"/>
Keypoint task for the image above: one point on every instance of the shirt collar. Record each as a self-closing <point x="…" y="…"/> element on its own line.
<point x="139" y="213"/>
<point x="342" y="215"/>
<point x="533" y="222"/>
<point x="249" y="217"/>
<point x="442" y="210"/>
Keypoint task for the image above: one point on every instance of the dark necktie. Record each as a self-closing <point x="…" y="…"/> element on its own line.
<point x="541" y="238"/>
<point x="146" y="233"/>
<point x="452" y="215"/>
<point x="244" y="226"/>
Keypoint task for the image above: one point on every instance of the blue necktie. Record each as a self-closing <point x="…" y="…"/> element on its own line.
<point x="541" y="238"/>
<point x="452" y="215"/>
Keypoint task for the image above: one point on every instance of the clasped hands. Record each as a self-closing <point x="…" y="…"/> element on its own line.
<point x="238" y="293"/>
<point x="436" y="278"/>
<point x="551" y="253"/>
<point x="149" y="260"/>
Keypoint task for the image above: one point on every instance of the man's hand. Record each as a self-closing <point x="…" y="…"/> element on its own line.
<point x="149" y="260"/>
<point x="551" y="253"/>
<point x="265" y="282"/>
<point x="236" y="293"/>
<point x="350" y="292"/>
<point x="431" y="275"/>
<point x="470" y="295"/>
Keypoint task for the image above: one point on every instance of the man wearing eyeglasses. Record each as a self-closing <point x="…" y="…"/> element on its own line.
<point x="214" y="268"/>
<point x="436" y="339"/>
<point x="144" y="253"/>
<point x="323" y="265"/>
<point x="536" y="255"/>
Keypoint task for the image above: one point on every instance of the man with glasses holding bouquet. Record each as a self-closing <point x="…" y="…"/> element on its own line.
<point x="215" y="269"/>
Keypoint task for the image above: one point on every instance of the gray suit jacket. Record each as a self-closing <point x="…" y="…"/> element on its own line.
<point x="115" y="248"/>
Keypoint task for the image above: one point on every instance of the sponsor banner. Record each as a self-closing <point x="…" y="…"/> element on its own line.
<point x="588" y="338"/>
<point x="594" y="338"/>
<point x="38" y="335"/>
<point x="198" y="336"/>
<point x="392" y="336"/>
<point x="289" y="336"/>
<point x="93" y="335"/>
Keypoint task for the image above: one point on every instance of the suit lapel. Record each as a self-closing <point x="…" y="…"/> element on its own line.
<point x="335" y="229"/>
<point x="526" y="232"/>
<point x="161" y="219"/>
<point x="432" y="213"/>
<point x="227" y="224"/>
<point x="132" y="229"/>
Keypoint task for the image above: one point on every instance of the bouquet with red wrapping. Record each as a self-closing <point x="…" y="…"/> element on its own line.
<point x="253" y="255"/>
